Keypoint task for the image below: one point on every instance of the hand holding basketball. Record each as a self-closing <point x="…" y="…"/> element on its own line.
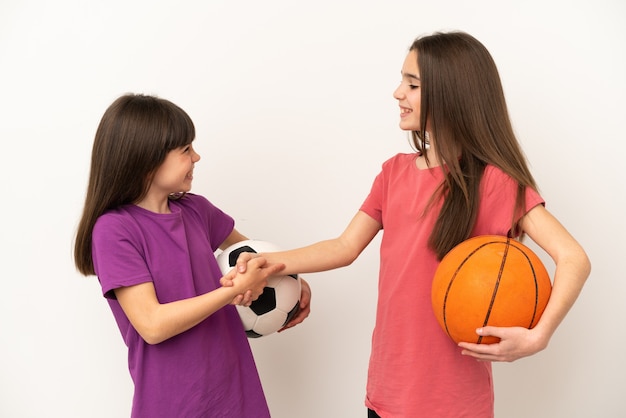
<point x="515" y="343"/>
<point x="489" y="281"/>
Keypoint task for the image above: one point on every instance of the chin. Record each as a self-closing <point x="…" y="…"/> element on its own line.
<point x="407" y="126"/>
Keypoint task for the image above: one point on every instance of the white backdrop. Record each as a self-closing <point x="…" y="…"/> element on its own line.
<point x="294" y="113"/>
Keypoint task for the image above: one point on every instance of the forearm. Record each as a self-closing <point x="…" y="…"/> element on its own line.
<point x="572" y="267"/>
<point x="157" y="322"/>
<point x="333" y="253"/>
<point x="321" y="256"/>
<point x="171" y="319"/>
<point x="569" y="278"/>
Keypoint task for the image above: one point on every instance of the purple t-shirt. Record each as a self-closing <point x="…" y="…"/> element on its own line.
<point x="207" y="371"/>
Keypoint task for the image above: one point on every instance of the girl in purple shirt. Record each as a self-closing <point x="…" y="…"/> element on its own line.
<point x="151" y="244"/>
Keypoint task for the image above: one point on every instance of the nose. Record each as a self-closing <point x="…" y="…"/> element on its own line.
<point x="398" y="94"/>
<point x="196" y="157"/>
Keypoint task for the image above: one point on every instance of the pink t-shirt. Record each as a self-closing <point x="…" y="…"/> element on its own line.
<point x="415" y="368"/>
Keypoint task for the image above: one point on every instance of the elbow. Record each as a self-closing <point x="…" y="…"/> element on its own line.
<point x="586" y="265"/>
<point x="348" y="258"/>
<point x="152" y="334"/>
<point x="152" y="339"/>
<point x="581" y="264"/>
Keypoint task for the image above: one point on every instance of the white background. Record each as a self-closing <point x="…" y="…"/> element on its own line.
<point x="294" y="113"/>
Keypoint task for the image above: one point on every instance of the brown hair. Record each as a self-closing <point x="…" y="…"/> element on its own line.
<point x="132" y="140"/>
<point x="463" y="102"/>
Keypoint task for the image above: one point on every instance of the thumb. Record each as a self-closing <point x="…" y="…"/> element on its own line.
<point x="242" y="262"/>
<point x="489" y="331"/>
<point x="227" y="279"/>
<point x="275" y="268"/>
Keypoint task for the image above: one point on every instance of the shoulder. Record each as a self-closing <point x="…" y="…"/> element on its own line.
<point x="116" y="224"/>
<point x="116" y="227"/>
<point x="399" y="160"/>
<point x="192" y="199"/>
<point x="196" y="203"/>
<point x="491" y="171"/>
<point x="496" y="181"/>
<point x="494" y="177"/>
<point x="114" y="219"/>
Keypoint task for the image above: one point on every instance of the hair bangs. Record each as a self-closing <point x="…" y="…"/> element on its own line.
<point x="180" y="131"/>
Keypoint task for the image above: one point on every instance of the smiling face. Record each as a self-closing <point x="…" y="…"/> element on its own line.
<point x="408" y="94"/>
<point x="175" y="174"/>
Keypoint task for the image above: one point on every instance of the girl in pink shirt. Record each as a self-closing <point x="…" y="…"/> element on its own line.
<point x="467" y="177"/>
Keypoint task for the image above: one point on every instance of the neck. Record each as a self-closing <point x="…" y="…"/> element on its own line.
<point x="154" y="205"/>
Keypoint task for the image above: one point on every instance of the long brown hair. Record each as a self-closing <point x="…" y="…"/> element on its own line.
<point x="132" y="140"/>
<point x="463" y="102"/>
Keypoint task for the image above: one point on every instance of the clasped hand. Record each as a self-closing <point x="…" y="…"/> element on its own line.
<point x="250" y="278"/>
<point x="246" y="298"/>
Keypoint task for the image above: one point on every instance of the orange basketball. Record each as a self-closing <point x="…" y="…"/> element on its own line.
<point x="489" y="280"/>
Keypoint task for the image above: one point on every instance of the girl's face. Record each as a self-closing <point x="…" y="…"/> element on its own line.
<point x="408" y="94"/>
<point x="176" y="173"/>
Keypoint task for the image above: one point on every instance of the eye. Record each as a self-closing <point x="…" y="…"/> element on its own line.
<point x="413" y="86"/>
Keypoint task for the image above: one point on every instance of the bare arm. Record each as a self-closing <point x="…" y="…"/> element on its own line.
<point x="322" y="256"/>
<point x="572" y="269"/>
<point x="156" y="322"/>
<point x="233" y="238"/>
<point x="329" y="254"/>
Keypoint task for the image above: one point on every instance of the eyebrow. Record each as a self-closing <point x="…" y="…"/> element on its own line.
<point x="409" y="75"/>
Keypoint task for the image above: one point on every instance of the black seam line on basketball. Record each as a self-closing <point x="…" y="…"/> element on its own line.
<point x="445" y="298"/>
<point x="532" y="268"/>
<point x="497" y="285"/>
<point x="511" y="243"/>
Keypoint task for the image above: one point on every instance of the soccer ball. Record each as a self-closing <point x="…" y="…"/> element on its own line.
<point x="280" y="300"/>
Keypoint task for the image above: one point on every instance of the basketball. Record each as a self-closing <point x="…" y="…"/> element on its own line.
<point x="280" y="300"/>
<point x="489" y="280"/>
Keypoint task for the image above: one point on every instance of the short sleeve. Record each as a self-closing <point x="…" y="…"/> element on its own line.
<point x="497" y="203"/>
<point x="373" y="202"/>
<point x="118" y="259"/>
<point x="218" y="224"/>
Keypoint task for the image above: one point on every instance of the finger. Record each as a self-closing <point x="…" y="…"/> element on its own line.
<point x="301" y="315"/>
<point x="305" y="294"/>
<point x="247" y="298"/>
<point x="305" y="303"/>
<point x="242" y="262"/>
<point x="297" y="319"/>
<point x="491" y="331"/>
<point x="274" y="268"/>
<point x="475" y="354"/>
<point x="237" y="300"/>
<point x="227" y="279"/>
